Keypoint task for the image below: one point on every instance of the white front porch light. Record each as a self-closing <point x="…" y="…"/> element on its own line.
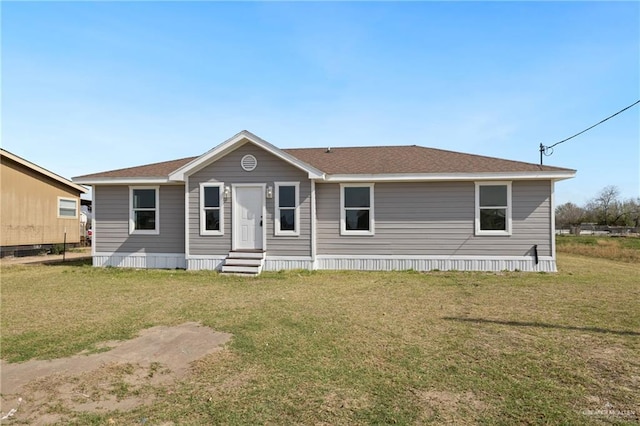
<point x="269" y="191"/>
<point x="227" y="193"/>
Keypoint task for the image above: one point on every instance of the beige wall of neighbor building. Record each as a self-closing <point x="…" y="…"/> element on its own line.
<point x="36" y="205"/>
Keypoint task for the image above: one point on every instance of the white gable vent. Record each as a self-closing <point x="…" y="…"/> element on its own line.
<point x="248" y="162"/>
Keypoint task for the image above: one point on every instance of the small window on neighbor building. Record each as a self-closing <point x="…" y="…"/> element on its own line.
<point x="67" y="208"/>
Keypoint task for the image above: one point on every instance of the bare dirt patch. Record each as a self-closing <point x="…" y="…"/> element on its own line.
<point x="124" y="377"/>
<point x="446" y="407"/>
<point x="75" y="254"/>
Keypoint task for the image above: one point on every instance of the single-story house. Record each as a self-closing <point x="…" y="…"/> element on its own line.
<point x="40" y="209"/>
<point x="247" y="206"/>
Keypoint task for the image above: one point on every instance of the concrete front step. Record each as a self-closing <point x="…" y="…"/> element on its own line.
<point x="245" y="262"/>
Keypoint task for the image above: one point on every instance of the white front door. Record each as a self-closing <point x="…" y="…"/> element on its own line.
<point x="247" y="217"/>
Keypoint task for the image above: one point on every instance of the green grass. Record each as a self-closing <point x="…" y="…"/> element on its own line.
<point x="355" y="347"/>
<point x="624" y="249"/>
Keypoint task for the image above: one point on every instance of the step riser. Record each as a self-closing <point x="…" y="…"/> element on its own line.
<point x="244" y="255"/>
<point x="243" y="262"/>
<point x="241" y="269"/>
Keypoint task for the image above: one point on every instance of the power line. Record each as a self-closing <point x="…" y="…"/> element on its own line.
<point x="544" y="149"/>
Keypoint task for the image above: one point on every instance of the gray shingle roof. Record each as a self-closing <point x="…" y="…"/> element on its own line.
<point x="410" y="159"/>
<point x="407" y="159"/>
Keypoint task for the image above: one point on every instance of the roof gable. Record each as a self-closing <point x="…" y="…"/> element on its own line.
<point x="233" y="143"/>
<point x="42" y="171"/>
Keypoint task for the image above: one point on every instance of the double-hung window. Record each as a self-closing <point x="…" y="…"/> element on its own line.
<point x="67" y="208"/>
<point x="493" y="208"/>
<point x="356" y="209"/>
<point x="287" y="200"/>
<point x="211" y="211"/>
<point x="144" y="204"/>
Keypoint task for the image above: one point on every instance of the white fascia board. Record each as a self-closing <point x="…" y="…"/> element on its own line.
<point x="410" y="177"/>
<point x="44" y="171"/>
<point x="125" y="181"/>
<point x="235" y="142"/>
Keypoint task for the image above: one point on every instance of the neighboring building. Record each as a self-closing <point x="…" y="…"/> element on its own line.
<point x="247" y="205"/>
<point x="38" y="207"/>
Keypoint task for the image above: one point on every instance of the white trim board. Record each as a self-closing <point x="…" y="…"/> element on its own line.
<point x="137" y="254"/>
<point x="337" y="178"/>
<point x="426" y="177"/>
<point x="186" y="218"/>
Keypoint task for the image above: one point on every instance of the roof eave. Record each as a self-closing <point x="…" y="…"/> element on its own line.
<point x="424" y="177"/>
<point x="123" y="181"/>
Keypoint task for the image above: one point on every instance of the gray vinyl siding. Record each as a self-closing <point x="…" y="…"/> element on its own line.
<point x="436" y="219"/>
<point x="111" y="210"/>
<point x="270" y="169"/>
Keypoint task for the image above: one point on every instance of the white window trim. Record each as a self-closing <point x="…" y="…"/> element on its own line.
<point x="276" y="228"/>
<point x="343" y="221"/>
<point x="508" y="206"/>
<point x="132" y="230"/>
<point x="220" y="186"/>
<point x="75" y="200"/>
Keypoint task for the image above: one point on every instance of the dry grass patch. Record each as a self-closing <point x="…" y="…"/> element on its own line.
<point x="622" y="249"/>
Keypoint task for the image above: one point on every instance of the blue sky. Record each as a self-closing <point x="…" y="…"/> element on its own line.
<point x="93" y="86"/>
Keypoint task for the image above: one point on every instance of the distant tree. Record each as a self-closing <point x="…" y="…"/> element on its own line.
<point x="571" y="215"/>
<point x="605" y="207"/>
<point x="631" y="212"/>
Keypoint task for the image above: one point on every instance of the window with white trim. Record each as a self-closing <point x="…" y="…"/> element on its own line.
<point x="287" y="200"/>
<point x="493" y="208"/>
<point x="356" y="209"/>
<point x="144" y="204"/>
<point x="67" y="208"/>
<point x="211" y="210"/>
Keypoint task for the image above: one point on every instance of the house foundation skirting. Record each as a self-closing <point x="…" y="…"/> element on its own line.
<point x="442" y="263"/>
<point x="141" y="260"/>
<point x="278" y="263"/>
<point x="271" y="263"/>
<point x="335" y="262"/>
<point x="206" y="263"/>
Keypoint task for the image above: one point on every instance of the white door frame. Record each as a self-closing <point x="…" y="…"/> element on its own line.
<point x="235" y="210"/>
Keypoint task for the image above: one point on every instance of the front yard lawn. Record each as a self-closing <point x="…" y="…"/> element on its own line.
<point x="354" y="347"/>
